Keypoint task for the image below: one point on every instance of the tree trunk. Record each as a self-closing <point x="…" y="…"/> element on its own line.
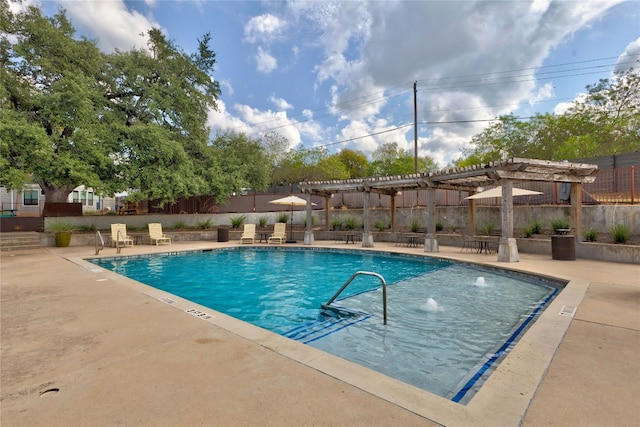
<point x="55" y="194"/>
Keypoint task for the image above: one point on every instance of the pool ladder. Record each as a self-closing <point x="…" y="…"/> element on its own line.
<point x="99" y="240"/>
<point x="363" y="273"/>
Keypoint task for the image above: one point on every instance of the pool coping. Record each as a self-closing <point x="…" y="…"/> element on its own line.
<point x="502" y="400"/>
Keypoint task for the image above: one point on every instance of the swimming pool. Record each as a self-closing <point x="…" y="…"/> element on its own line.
<point x="449" y="323"/>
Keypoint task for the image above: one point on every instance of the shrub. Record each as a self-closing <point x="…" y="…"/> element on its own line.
<point x="621" y="233"/>
<point x="560" y="222"/>
<point x="487" y="228"/>
<point x="336" y="223"/>
<point x="282" y="217"/>
<point x="380" y="225"/>
<point x="439" y="225"/>
<point x="528" y="231"/>
<point x="415" y="225"/>
<point x="262" y="221"/>
<point x="60" y="226"/>
<point x="535" y="226"/>
<point x="590" y="235"/>
<point x="454" y="228"/>
<point x="87" y="228"/>
<point x="238" y="221"/>
<point x="180" y="225"/>
<point x="203" y="225"/>
<point x="351" y="223"/>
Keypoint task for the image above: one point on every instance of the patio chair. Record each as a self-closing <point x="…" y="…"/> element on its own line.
<point x="249" y="234"/>
<point x="279" y="233"/>
<point x="119" y="236"/>
<point x="468" y="242"/>
<point x="156" y="235"/>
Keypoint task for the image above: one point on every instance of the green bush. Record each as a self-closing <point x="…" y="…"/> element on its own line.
<point x="282" y="217"/>
<point x="415" y="225"/>
<point x="262" y="221"/>
<point x="528" y="231"/>
<point x="180" y="225"/>
<point x="487" y="228"/>
<point x="535" y="226"/>
<point x="621" y="233"/>
<point x="206" y="224"/>
<point x="590" y="235"/>
<point x="238" y="221"/>
<point x="439" y="225"/>
<point x="60" y="226"/>
<point x="560" y="222"/>
<point x="87" y="228"/>
<point x="336" y="224"/>
<point x="380" y="225"/>
<point x="351" y="223"/>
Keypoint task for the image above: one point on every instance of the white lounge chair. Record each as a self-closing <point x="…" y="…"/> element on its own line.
<point x="157" y="236"/>
<point x="279" y="233"/>
<point x="249" y="234"/>
<point x="119" y="236"/>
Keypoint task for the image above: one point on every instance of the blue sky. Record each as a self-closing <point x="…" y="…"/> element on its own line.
<point x="341" y="74"/>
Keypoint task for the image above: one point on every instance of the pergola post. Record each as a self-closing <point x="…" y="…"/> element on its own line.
<point x="471" y="228"/>
<point x="308" y="232"/>
<point x="508" y="249"/>
<point x="367" y="238"/>
<point x="576" y="209"/>
<point x="393" y="211"/>
<point x="327" y="209"/>
<point x="430" y="241"/>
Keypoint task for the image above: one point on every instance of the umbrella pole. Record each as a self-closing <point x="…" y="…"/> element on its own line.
<point x="291" y="227"/>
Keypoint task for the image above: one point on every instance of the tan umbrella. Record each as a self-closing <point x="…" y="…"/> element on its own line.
<point x="497" y="192"/>
<point x="291" y="201"/>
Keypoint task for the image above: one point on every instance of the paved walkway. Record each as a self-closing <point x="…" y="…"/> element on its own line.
<point x="81" y="347"/>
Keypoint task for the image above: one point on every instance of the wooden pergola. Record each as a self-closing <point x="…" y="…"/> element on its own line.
<point x="470" y="179"/>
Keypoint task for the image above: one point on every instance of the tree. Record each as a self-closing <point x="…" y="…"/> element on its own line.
<point x="131" y="120"/>
<point x="243" y="161"/>
<point x="389" y="159"/>
<point x="355" y="162"/>
<point x="49" y="93"/>
<point x="606" y="121"/>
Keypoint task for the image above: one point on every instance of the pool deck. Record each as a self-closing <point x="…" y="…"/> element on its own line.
<point x="81" y="346"/>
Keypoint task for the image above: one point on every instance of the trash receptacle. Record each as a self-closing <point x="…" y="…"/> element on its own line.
<point x="223" y="234"/>
<point x="563" y="247"/>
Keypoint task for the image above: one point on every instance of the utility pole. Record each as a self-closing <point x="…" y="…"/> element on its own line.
<point x="415" y="127"/>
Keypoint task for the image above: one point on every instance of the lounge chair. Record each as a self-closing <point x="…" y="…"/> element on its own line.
<point x="279" y="233"/>
<point x="249" y="234"/>
<point x="156" y="235"/>
<point x="119" y="236"/>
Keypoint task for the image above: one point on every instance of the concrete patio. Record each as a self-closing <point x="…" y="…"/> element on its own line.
<point x="84" y="347"/>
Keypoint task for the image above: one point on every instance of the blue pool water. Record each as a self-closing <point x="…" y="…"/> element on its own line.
<point x="448" y="323"/>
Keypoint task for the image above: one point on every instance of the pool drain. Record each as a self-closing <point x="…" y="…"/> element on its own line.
<point x="49" y="391"/>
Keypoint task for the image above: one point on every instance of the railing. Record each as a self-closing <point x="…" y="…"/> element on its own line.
<point x="364" y="273"/>
<point x="100" y="240"/>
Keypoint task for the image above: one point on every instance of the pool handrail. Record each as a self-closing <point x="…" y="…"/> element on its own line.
<point x="365" y="273"/>
<point x="100" y="240"/>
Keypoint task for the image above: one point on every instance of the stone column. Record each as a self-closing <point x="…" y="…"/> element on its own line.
<point x="576" y="210"/>
<point x="308" y="232"/>
<point x="430" y="241"/>
<point x="508" y="249"/>
<point x="367" y="238"/>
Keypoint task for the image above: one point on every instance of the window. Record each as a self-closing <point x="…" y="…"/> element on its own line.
<point x="76" y="196"/>
<point x="89" y="198"/>
<point x="30" y="197"/>
<point x="83" y="198"/>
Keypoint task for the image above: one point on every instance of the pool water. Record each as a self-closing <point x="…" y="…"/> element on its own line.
<point x="448" y="323"/>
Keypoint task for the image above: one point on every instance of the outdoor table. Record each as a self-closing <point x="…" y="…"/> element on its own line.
<point x="263" y="235"/>
<point x="487" y="243"/>
<point x="350" y="237"/>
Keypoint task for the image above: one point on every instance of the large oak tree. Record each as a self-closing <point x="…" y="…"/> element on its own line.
<point x="133" y="120"/>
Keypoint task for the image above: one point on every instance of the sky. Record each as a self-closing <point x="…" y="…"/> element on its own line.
<point x="341" y="75"/>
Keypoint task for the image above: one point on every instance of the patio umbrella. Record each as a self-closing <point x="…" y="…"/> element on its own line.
<point x="497" y="192"/>
<point x="291" y="201"/>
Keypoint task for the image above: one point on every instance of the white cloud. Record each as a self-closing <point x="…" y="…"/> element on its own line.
<point x="113" y="24"/>
<point x="630" y="56"/>
<point x="263" y="28"/>
<point x="281" y="104"/>
<point x="266" y="62"/>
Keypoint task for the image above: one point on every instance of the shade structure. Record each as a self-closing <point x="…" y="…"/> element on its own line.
<point x="291" y="201"/>
<point x="497" y="192"/>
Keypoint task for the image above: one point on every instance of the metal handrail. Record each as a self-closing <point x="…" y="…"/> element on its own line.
<point x="99" y="239"/>
<point x="364" y="273"/>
